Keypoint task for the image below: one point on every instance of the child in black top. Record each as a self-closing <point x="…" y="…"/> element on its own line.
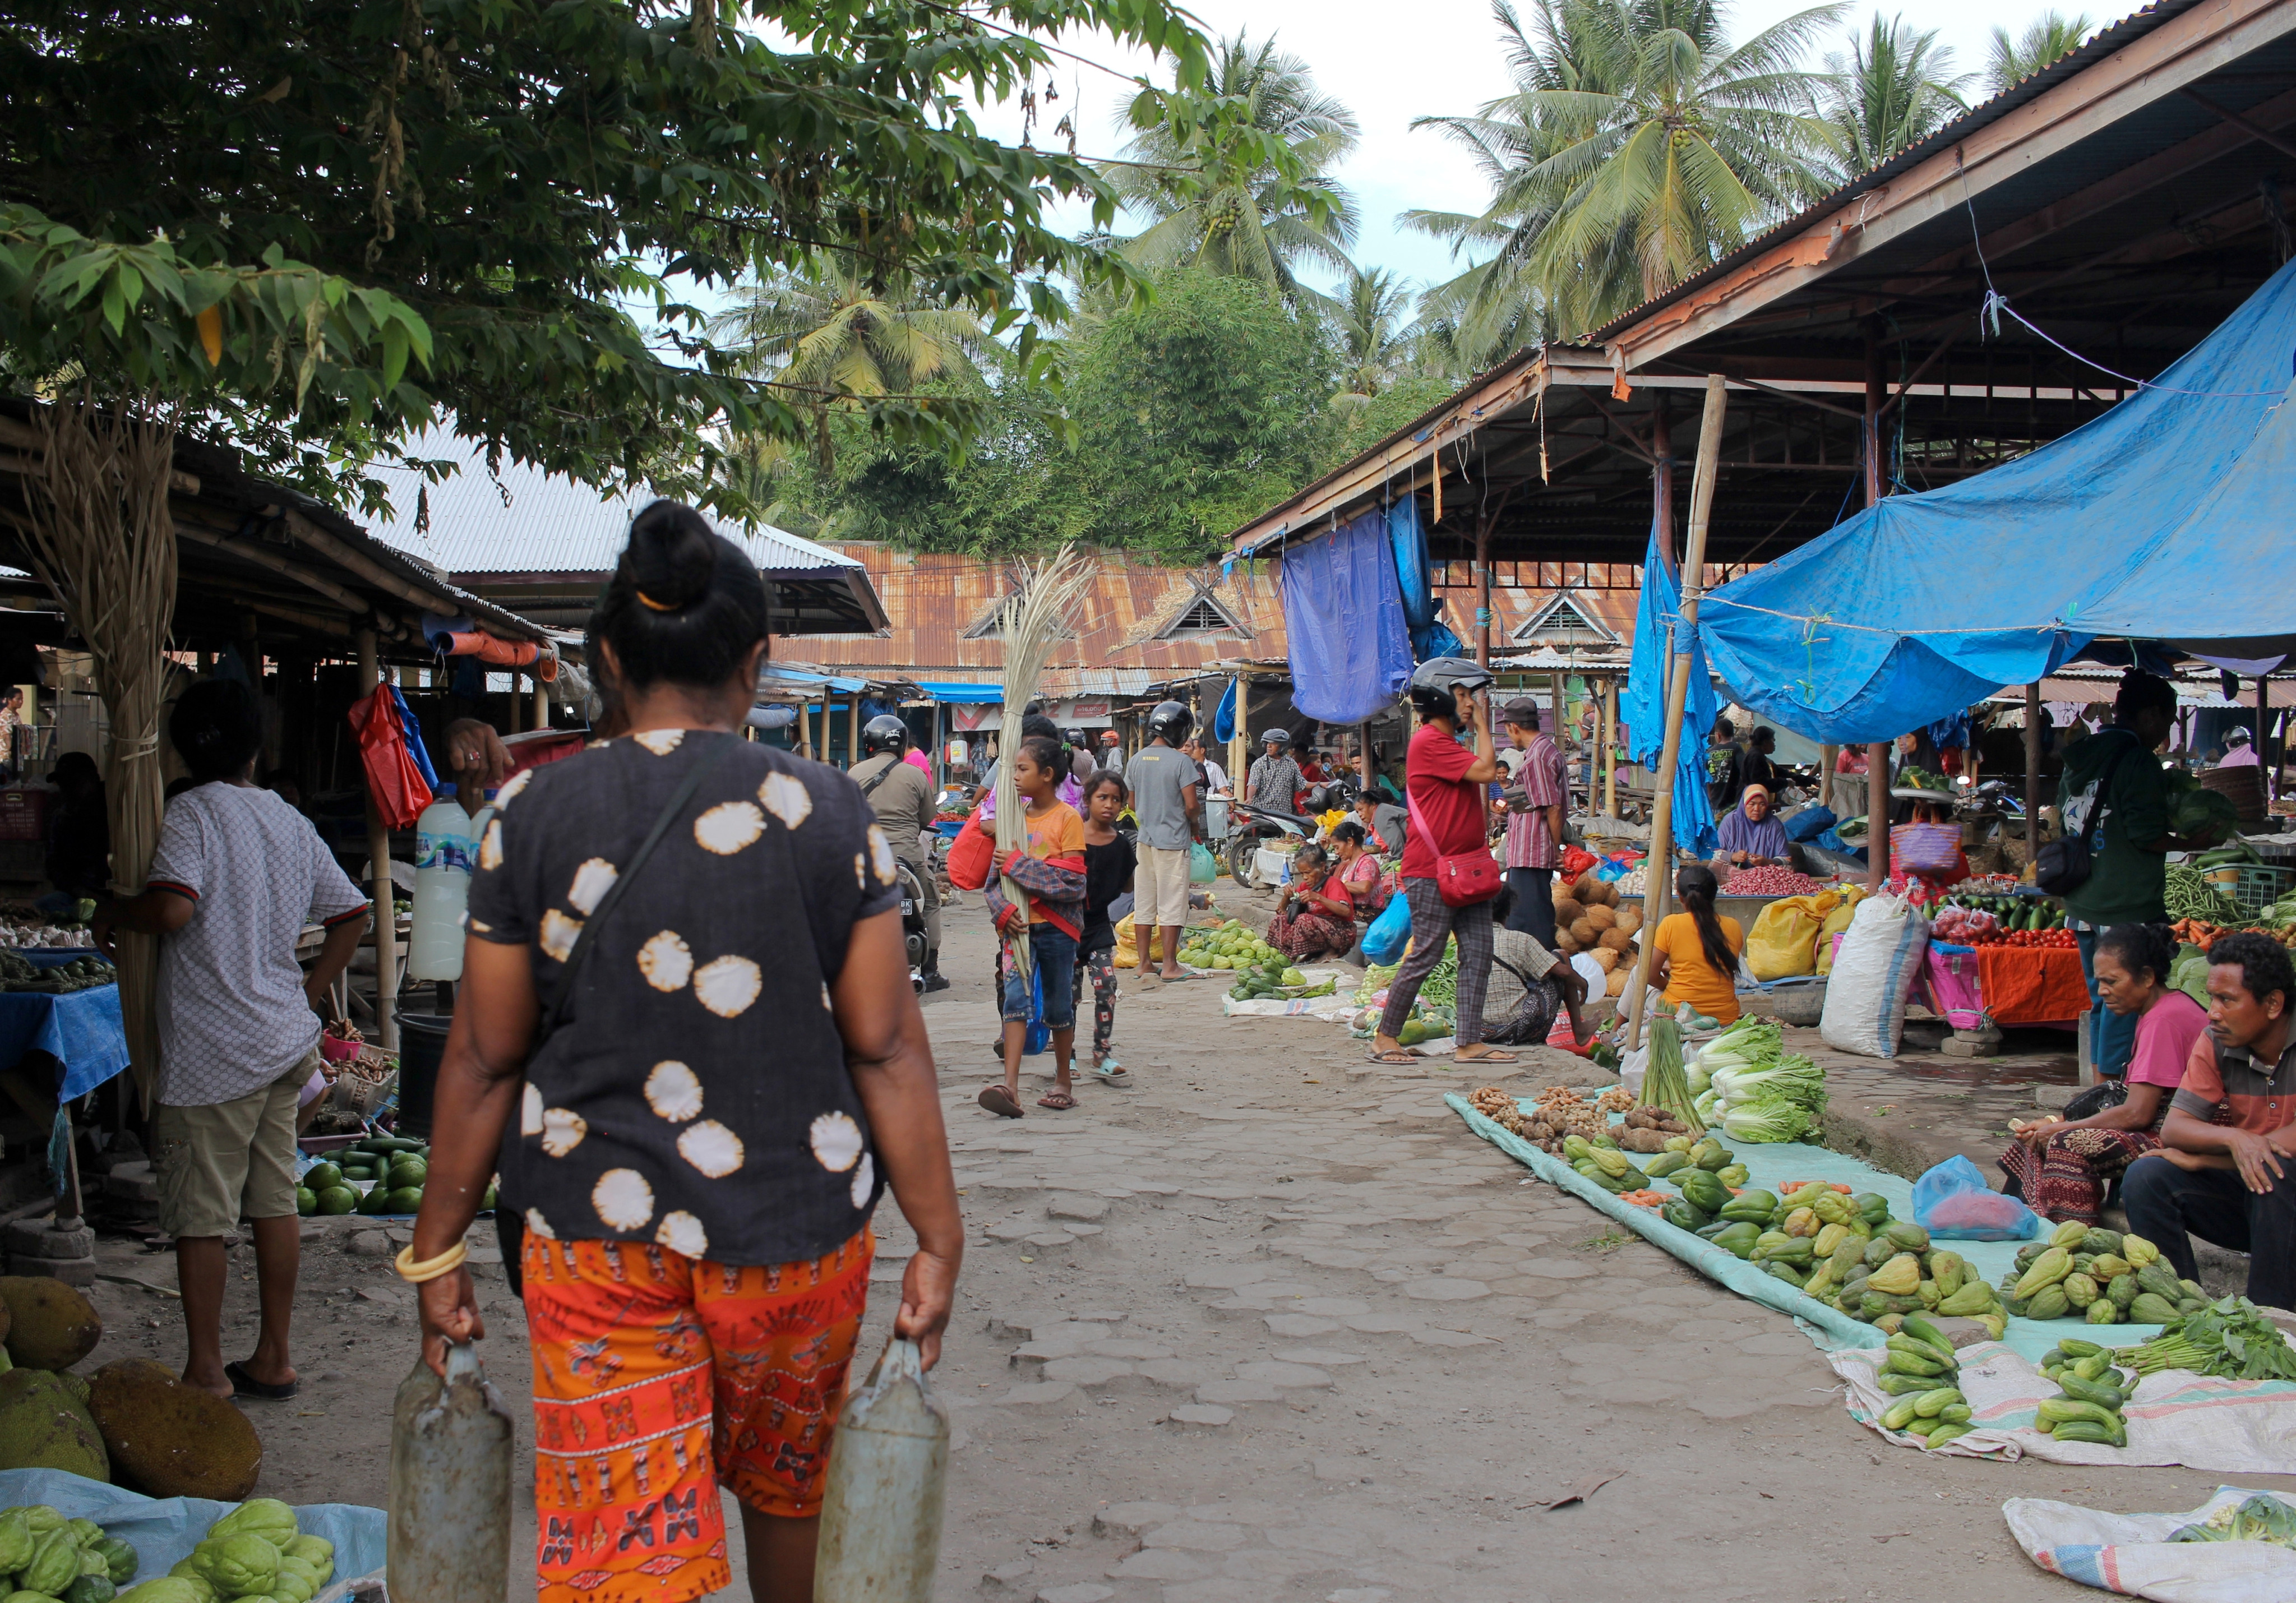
<point x="1109" y="860"/>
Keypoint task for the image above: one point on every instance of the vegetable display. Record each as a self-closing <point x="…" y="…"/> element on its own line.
<point x="394" y="1168"/>
<point x="1665" y="1086"/>
<point x="2228" y="1337"/>
<point x="2187" y="894"/>
<point x="1755" y="1092"/>
<point x="1919" y="1370"/>
<point x="1771" y="880"/>
<point x="2085" y="1272"/>
<point x="253" y="1551"/>
<point x="1227" y="945"/>
<point x="70" y="1561"/>
<point x="2092" y="1393"/>
<point x="18" y="973"/>
<point x="2263" y="1517"/>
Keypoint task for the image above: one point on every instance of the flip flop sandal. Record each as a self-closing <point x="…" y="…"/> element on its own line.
<point x="1058" y="1101"/>
<point x="1001" y="1102"/>
<point x="1401" y="1055"/>
<point x="244" y="1384"/>
<point x="1494" y="1055"/>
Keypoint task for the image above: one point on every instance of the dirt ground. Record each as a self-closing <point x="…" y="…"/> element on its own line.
<point x="1272" y="1326"/>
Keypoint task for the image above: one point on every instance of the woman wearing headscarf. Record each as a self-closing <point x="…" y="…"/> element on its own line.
<point x="1749" y="836"/>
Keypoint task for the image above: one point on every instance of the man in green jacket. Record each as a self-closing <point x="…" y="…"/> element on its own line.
<point x="2115" y="792"/>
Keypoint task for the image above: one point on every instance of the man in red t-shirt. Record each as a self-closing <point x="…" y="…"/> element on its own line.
<point x="2228" y="1169"/>
<point x="1445" y="782"/>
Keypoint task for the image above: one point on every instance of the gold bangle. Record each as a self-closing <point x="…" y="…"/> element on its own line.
<point x="445" y="1263"/>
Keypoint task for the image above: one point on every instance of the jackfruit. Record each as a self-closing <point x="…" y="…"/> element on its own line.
<point x="42" y="1426"/>
<point x="167" y="1439"/>
<point x="51" y="1325"/>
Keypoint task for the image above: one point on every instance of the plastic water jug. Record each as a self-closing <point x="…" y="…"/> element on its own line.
<point x="444" y="852"/>
<point x="888" y="1476"/>
<point x="450" y="1497"/>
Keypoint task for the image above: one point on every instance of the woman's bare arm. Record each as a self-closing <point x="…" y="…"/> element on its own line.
<point x="479" y="1078"/>
<point x="891" y="1060"/>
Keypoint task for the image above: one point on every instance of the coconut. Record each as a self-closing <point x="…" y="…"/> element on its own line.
<point x="1608" y="958"/>
<point x="1610" y="892"/>
<point x="1589" y="889"/>
<point x="1618" y="981"/>
<point x="1601" y="917"/>
<point x="173" y="1440"/>
<point x="1582" y="932"/>
<point x="1617" y="941"/>
<point x="1630" y="917"/>
<point x="1568" y="911"/>
<point x="1564" y="941"/>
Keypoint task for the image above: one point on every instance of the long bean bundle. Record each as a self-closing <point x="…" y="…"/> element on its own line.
<point x="1664" y="1084"/>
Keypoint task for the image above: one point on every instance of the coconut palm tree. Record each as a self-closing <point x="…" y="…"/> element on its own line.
<point x="1895" y="87"/>
<point x="2047" y="37"/>
<point x="1372" y="321"/>
<point x="1639" y="146"/>
<point x="1217" y="202"/>
<point x="826" y="328"/>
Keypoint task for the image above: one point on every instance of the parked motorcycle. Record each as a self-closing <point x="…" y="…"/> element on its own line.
<point x="1251" y="824"/>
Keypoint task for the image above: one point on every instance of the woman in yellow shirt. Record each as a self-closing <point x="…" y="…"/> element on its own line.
<point x="1697" y="951"/>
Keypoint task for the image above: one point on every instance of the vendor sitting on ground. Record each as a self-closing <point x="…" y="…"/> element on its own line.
<point x="2226" y="1169"/>
<point x="1749" y="835"/>
<point x="1361" y="874"/>
<point x="1530" y="983"/>
<point x="1314" y="917"/>
<point x="1383" y="820"/>
<point x="1698" y="949"/>
<point x="2062" y="1170"/>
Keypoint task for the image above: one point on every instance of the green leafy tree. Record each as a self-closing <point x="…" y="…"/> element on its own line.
<point x="1639" y="146"/>
<point x="1894" y="87"/>
<point x="825" y="327"/>
<point x="2049" y="38"/>
<point x="316" y="228"/>
<point x="1371" y="320"/>
<point x="1218" y="200"/>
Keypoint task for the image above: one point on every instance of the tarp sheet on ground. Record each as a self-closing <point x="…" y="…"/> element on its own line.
<point x="163" y="1530"/>
<point x="2176" y="1418"/>
<point x="1642" y="708"/>
<point x="2145" y="522"/>
<point x="1343" y="614"/>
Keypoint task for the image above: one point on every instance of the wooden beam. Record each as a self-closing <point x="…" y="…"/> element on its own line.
<point x="2253" y="130"/>
<point x="349" y="600"/>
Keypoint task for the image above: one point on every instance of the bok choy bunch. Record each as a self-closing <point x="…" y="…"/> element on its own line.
<point x="1755" y="1092"/>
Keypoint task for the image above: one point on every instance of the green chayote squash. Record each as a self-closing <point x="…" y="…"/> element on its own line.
<point x="237" y="1565"/>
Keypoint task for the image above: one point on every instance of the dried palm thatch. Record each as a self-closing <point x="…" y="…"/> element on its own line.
<point x="1051" y="594"/>
<point x="102" y="539"/>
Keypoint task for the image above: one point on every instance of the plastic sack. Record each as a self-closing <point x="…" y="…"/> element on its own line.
<point x="1953" y="1202"/>
<point x="1204" y="868"/>
<point x="2136" y="1555"/>
<point x="1782" y="942"/>
<point x="1390" y="933"/>
<point x="1874" y="968"/>
<point x="1836" y="923"/>
<point x="1127" y="944"/>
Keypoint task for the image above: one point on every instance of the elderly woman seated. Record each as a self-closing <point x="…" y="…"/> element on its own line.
<point x="1749" y="836"/>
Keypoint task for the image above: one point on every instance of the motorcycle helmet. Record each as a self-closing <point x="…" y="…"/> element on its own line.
<point x="884" y="732"/>
<point x="1170" y="721"/>
<point x="1278" y="737"/>
<point x="1438" y="682"/>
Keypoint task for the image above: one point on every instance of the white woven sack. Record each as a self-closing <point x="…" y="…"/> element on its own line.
<point x="1865" y="993"/>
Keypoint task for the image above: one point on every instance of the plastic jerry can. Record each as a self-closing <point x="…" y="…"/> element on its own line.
<point x="445" y="848"/>
<point x="888" y="1477"/>
<point x="450" y="1470"/>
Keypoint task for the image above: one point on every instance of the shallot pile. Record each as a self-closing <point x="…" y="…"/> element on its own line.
<point x="1774" y="880"/>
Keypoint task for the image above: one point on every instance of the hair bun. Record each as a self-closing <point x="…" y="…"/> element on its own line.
<point x="671" y="557"/>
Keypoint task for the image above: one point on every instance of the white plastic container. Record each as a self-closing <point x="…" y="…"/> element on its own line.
<point x="450" y="1485"/>
<point x="445" y="849"/>
<point x="888" y="1478"/>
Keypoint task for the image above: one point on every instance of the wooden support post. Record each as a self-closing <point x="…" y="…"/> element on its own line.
<point x="1659" y="872"/>
<point x="1663" y="476"/>
<point x="1363" y="759"/>
<point x="2032" y="772"/>
<point x="1610" y="742"/>
<point x="386" y="904"/>
<point x="853" y="731"/>
<point x="1826" y="758"/>
<point x="541" y="704"/>
<point x="1239" y="744"/>
<point x="805" y="728"/>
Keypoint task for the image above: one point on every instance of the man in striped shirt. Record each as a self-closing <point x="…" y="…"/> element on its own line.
<point x="2228" y="1170"/>
<point x="1534" y="831"/>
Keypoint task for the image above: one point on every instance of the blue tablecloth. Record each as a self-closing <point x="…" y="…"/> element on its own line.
<point x="81" y="1029"/>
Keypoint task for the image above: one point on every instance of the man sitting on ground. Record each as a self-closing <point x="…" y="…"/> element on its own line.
<point x="2232" y="1182"/>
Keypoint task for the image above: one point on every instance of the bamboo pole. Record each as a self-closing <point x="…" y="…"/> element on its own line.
<point x="1611" y="746"/>
<point x="1658" y="876"/>
<point x="541" y="702"/>
<point x="386" y="904"/>
<point x="853" y="731"/>
<point x="1877" y="761"/>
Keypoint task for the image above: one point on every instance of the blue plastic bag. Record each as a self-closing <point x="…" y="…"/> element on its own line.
<point x="1204" y="868"/>
<point x="1810" y="823"/>
<point x="1953" y="1202"/>
<point x="1390" y="933"/>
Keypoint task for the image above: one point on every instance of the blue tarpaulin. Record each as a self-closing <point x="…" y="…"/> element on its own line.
<point x="2143" y="523"/>
<point x="1344" y="611"/>
<point x="1643" y="706"/>
<point x="1411" y="572"/>
<point x="959" y="692"/>
<point x="1224" y="716"/>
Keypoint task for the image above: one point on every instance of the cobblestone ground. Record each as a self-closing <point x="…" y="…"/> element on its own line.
<point x="1273" y="1326"/>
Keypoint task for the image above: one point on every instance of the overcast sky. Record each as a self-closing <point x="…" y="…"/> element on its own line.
<point x="1390" y="63"/>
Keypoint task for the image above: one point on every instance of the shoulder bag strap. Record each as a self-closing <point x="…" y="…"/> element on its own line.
<point x="880" y="776"/>
<point x="561" y="1001"/>
<point x="2103" y="793"/>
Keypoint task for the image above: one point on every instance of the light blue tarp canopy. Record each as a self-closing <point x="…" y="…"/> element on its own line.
<point x="1343" y="614"/>
<point x="962" y="692"/>
<point x="2165" y="519"/>
<point x="1643" y="706"/>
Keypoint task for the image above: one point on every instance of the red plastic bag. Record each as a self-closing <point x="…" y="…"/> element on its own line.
<point x="973" y="855"/>
<point x="397" y="787"/>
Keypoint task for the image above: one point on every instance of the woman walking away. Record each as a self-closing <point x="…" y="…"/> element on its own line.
<point x="1314" y="917"/>
<point x="686" y="1026"/>
<point x="2062" y="1170"/>
<point x="1444" y="782"/>
<point x="1050" y="869"/>
<point x="1698" y="950"/>
<point x="237" y="875"/>
<point x="1108" y="862"/>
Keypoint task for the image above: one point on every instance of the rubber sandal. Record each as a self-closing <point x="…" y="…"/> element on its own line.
<point x="1001" y="1102"/>
<point x="1058" y="1101"/>
<point x="1117" y="1076"/>
<point x="1493" y="1056"/>
<point x="244" y="1384"/>
<point x="1401" y="1055"/>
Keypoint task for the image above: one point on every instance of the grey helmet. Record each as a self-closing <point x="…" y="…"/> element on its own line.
<point x="1436" y="683"/>
<point x="1170" y="721"/>
<point x="1277" y="736"/>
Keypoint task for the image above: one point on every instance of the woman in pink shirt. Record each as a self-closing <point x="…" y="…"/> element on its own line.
<point x="2062" y="1170"/>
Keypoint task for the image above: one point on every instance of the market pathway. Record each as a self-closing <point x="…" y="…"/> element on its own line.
<point x="1272" y="1326"/>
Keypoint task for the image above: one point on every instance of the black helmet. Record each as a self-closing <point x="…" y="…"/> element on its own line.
<point x="1170" y="721"/>
<point x="1278" y="737"/>
<point x="884" y="732"/>
<point x="1436" y="683"/>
